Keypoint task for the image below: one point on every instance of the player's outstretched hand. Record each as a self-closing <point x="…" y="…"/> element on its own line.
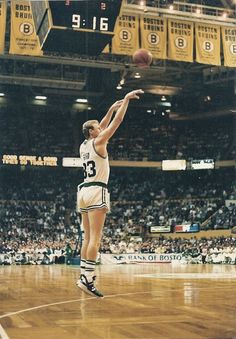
<point x="116" y="105"/>
<point x="134" y="94"/>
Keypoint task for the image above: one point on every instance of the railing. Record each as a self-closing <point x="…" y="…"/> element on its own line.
<point x="185" y="9"/>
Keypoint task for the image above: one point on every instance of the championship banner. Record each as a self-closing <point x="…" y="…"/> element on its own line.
<point x="180" y="40"/>
<point x="126" y="35"/>
<point x="229" y="45"/>
<point x="207" y="44"/>
<point x="3" y="14"/>
<point x="23" y="38"/>
<point x="153" y="35"/>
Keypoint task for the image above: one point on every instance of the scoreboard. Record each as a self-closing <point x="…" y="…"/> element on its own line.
<point x="80" y="26"/>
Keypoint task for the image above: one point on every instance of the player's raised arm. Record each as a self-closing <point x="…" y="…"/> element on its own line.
<point x="107" y="133"/>
<point x="107" y="118"/>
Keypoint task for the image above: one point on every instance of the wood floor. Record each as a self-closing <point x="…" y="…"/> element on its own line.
<point x="141" y="301"/>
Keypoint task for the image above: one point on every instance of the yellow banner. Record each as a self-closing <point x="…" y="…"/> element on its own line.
<point x="207" y="44"/>
<point x="180" y="40"/>
<point x="23" y="38"/>
<point x="3" y="14"/>
<point x="126" y="37"/>
<point x="229" y="45"/>
<point x="153" y="35"/>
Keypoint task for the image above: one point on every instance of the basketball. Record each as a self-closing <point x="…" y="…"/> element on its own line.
<point x="142" y="58"/>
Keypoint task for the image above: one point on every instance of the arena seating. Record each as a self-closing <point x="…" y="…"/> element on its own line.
<point x="155" y="139"/>
<point x="38" y="211"/>
<point x="150" y="137"/>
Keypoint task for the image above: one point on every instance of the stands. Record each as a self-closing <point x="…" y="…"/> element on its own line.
<point x="37" y="205"/>
<point x="37" y="209"/>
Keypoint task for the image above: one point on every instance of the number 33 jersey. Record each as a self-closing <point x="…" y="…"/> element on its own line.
<point x="95" y="166"/>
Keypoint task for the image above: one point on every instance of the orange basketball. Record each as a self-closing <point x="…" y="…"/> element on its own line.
<point x="142" y="58"/>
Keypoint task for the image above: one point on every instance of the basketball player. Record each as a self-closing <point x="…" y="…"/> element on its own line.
<point x="93" y="197"/>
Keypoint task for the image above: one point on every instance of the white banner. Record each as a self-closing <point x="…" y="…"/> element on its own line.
<point x="138" y="258"/>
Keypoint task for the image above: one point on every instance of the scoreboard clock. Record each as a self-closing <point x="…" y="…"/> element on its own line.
<point x="79" y="26"/>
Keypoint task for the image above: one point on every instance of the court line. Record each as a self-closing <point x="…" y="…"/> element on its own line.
<point x="67" y="302"/>
<point x="90" y="298"/>
<point x="3" y="333"/>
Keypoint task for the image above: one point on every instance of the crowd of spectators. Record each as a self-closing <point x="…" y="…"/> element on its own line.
<point x="193" y="250"/>
<point x="46" y="131"/>
<point x="37" y="208"/>
<point x="36" y="132"/>
<point x="44" y="252"/>
<point x="152" y="139"/>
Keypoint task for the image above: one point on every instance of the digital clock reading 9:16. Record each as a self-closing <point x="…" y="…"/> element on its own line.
<point x="93" y="23"/>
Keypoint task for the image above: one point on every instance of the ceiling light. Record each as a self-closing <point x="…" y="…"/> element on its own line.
<point x="166" y="104"/>
<point x="89" y="108"/>
<point x="137" y="76"/>
<point x="149" y="111"/>
<point x="40" y="97"/>
<point x="163" y="98"/>
<point x="119" y="86"/>
<point x="2" y="95"/>
<point x="81" y="101"/>
<point x="207" y="98"/>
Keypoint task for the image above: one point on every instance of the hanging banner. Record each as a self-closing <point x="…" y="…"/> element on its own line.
<point x="153" y="35"/>
<point x="229" y="45"/>
<point x="207" y="44"/>
<point x="23" y="38"/>
<point x="126" y="35"/>
<point x="3" y="14"/>
<point x="180" y="40"/>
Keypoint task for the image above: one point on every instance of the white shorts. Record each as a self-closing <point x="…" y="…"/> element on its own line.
<point x="93" y="197"/>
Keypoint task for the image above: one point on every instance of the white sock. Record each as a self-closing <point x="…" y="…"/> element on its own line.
<point x="90" y="269"/>
<point x="82" y="266"/>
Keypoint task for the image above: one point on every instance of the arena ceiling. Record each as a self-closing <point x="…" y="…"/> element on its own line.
<point x="189" y="87"/>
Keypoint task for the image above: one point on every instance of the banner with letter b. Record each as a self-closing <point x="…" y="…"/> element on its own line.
<point x="180" y="42"/>
<point x="153" y="35"/>
<point x="207" y="44"/>
<point x="24" y="39"/>
<point x="229" y="45"/>
<point x="126" y="35"/>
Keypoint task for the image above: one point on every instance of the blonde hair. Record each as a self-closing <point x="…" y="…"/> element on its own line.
<point x="87" y="126"/>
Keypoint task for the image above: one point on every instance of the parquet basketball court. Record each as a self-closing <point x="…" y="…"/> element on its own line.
<point x="141" y="301"/>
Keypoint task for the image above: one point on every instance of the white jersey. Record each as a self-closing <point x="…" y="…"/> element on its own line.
<point x="96" y="167"/>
